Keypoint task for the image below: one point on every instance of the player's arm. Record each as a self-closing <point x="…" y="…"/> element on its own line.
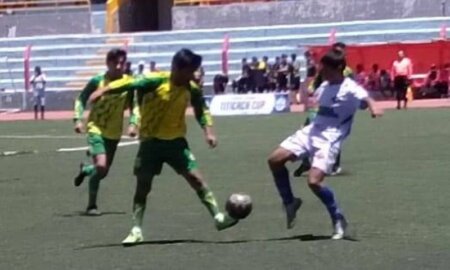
<point x="368" y="102"/>
<point x="203" y="116"/>
<point x="80" y="104"/>
<point x="134" y="120"/>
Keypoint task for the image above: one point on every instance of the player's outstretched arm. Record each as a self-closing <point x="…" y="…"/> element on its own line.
<point x="80" y="103"/>
<point x="134" y="115"/>
<point x="374" y="109"/>
<point x="203" y="116"/>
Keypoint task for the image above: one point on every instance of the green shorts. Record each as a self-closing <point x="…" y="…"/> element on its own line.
<point x="99" y="145"/>
<point x="153" y="153"/>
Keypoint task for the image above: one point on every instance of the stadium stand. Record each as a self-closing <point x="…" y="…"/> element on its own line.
<point x="69" y="60"/>
<point x="214" y="2"/>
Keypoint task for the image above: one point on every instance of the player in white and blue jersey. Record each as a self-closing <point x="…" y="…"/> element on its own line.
<point x="338" y="99"/>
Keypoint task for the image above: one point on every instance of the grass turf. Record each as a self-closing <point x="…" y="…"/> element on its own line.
<point x="394" y="191"/>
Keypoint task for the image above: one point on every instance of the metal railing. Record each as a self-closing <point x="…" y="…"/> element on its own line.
<point x="214" y="2"/>
<point x="41" y="5"/>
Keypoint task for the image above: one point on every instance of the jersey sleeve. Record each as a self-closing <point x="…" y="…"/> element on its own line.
<point x="200" y="108"/>
<point x="360" y="93"/>
<point x="81" y="100"/>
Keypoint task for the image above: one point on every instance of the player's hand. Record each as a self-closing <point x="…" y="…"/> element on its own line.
<point x="96" y="95"/>
<point x="78" y="127"/>
<point x="377" y="112"/>
<point x="210" y="138"/>
<point x="132" y="131"/>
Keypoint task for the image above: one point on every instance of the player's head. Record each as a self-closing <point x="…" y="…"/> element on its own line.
<point x="184" y="64"/>
<point x="339" y="46"/>
<point x="333" y="64"/>
<point x="37" y="70"/>
<point x="401" y="54"/>
<point x="116" y="62"/>
<point x="293" y="56"/>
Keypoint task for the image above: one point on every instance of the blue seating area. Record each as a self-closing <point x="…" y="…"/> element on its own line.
<point x="61" y="57"/>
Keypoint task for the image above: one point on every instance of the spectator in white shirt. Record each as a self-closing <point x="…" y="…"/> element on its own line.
<point x="38" y="83"/>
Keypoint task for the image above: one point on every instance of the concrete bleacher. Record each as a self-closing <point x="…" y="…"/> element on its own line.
<point x="70" y="60"/>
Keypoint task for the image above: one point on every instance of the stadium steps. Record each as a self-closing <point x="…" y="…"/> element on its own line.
<point x="97" y="64"/>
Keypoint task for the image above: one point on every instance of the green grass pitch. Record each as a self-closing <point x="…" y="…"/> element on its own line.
<point x="394" y="190"/>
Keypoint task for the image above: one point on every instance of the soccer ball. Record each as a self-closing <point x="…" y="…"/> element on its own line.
<point x="239" y="205"/>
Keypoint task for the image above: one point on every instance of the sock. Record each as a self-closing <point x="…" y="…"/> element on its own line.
<point x="207" y="198"/>
<point x="327" y="197"/>
<point x="138" y="214"/>
<point x="88" y="170"/>
<point x="42" y="112"/>
<point x="94" y="184"/>
<point x="283" y="185"/>
<point x="337" y="164"/>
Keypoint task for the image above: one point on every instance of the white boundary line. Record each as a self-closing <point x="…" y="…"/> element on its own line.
<point x="75" y="149"/>
<point x="43" y="136"/>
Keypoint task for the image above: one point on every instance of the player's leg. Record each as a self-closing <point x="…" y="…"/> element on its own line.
<point x="337" y="169"/>
<point x="42" y="103"/>
<point x="404" y="92"/>
<point x="148" y="163"/>
<point x="323" y="161"/>
<point x="291" y="149"/>
<point x="102" y="159"/>
<point x="305" y="164"/>
<point x="398" y="90"/>
<point x="36" y="104"/>
<point x="180" y="158"/>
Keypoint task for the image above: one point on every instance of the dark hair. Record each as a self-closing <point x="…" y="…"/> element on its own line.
<point x="339" y="45"/>
<point x="115" y="54"/>
<point x="375" y="66"/>
<point x="334" y="59"/>
<point x="186" y="58"/>
<point x="293" y="55"/>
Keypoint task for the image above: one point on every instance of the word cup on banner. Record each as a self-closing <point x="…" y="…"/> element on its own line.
<point x="252" y="104"/>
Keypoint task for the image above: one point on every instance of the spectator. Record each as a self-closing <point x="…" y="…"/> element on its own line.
<point x="373" y="81"/>
<point x="283" y="70"/>
<point x="240" y="85"/>
<point x="294" y="69"/>
<point x="252" y="74"/>
<point x="38" y="82"/>
<point x="361" y="76"/>
<point x="259" y="78"/>
<point x="385" y="83"/>
<point x="153" y="67"/>
<point x="141" y="69"/>
<point x="443" y="80"/>
<point x="128" y="69"/>
<point x="401" y="74"/>
<point x="273" y="75"/>
<point x="219" y="84"/>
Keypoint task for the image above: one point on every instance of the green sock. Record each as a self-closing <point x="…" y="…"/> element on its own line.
<point x="94" y="184"/>
<point x="138" y="214"/>
<point x="207" y="198"/>
<point x="88" y="170"/>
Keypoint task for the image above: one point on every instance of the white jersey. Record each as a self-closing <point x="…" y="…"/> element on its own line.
<point x="38" y="83"/>
<point x="338" y="104"/>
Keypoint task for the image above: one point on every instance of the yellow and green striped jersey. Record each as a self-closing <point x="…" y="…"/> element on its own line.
<point x="163" y="105"/>
<point x="106" y="115"/>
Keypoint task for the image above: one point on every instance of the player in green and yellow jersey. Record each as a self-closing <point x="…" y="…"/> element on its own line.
<point x="104" y="124"/>
<point x="312" y="109"/>
<point x="163" y="100"/>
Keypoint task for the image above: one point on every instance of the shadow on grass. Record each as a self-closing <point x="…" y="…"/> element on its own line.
<point x="83" y="214"/>
<point x="303" y="238"/>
